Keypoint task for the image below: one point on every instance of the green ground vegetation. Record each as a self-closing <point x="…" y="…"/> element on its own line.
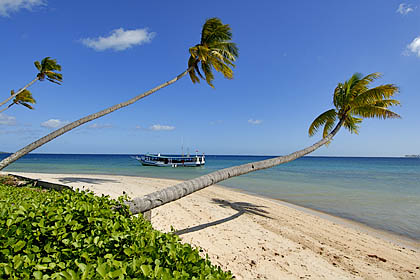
<point x="77" y="235"/>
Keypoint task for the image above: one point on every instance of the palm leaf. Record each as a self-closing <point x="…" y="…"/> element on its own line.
<point x="330" y="115"/>
<point x="37" y="65"/>
<point x="374" y="95"/>
<point x="387" y="103"/>
<point x="329" y="124"/>
<point x="351" y="123"/>
<point x="362" y="84"/>
<point x="372" y="111"/>
<point x="206" y="67"/>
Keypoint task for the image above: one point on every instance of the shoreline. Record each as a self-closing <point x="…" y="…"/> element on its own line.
<point x="259" y="237"/>
<point x="399" y="238"/>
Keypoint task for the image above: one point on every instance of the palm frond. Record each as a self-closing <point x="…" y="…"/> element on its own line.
<point x="27" y="105"/>
<point x="215" y="30"/>
<point x="372" y="111"/>
<point x="387" y="103"/>
<point x="351" y="124"/>
<point x="206" y="67"/>
<point x="37" y="65"/>
<point x="373" y="95"/>
<point x="193" y="63"/>
<point x="330" y="115"/>
<point x="363" y="83"/>
<point x="329" y="124"/>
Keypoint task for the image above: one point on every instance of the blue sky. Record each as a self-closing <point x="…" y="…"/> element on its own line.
<point x="292" y="55"/>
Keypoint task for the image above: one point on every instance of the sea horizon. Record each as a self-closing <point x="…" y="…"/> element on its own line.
<point x="245" y="155"/>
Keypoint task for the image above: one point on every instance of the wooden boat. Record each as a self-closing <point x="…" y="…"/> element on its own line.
<point x="171" y="161"/>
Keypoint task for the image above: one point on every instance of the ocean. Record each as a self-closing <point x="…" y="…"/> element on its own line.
<point x="383" y="193"/>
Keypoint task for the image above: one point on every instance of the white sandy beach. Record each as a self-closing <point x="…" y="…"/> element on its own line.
<point x="259" y="238"/>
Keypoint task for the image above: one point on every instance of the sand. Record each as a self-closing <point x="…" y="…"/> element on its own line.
<point x="259" y="238"/>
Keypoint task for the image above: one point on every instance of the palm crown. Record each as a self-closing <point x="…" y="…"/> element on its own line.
<point x="47" y="68"/>
<point x="354" y="101"/>
<point x="23" y="98"/>
<point x="214" y="51"/>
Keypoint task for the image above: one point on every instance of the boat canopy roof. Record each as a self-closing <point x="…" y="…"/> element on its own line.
<point x="169" y="157"/>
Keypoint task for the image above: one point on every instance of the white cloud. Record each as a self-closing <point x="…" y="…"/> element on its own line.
<point x="254" y="122"/>
<point x="415" y="46"/>
<point x="98" y="126"/>
<point x="404" y="9"/>
<point x="7" y="120"/>
<point x="157" y="127"/>
<point x="120" y="39"/>
<point x="10" y="6"/>
<point x="54" y="123"/>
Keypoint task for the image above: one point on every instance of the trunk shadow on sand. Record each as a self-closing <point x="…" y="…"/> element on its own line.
<point x="241" y="207"/>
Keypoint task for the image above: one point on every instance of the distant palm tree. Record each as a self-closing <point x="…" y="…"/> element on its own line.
<point x="353" y="102"/>
<point x="23" y="98"/>
<point x="47" y="70"/>
<point x="215" y="51"/>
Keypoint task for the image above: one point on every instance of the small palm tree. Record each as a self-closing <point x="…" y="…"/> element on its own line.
<point x="47" y="70"/>
<point x="353" y="101"/>
<point x="23" y="98"/>
<point x="215" y="51"/>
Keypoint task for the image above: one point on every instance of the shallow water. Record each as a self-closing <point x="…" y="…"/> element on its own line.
<point x="383" y="193"/>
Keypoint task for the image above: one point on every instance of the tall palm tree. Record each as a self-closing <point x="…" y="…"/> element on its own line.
<point x="215" y="51"/>
<point x="23" y="98"/>
<point x="47" y="70"/>
<point x="353" y="101"/>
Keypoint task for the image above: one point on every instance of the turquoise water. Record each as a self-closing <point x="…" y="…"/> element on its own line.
<point x="383" y="193"/>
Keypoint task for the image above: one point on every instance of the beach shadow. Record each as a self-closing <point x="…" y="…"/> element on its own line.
<point x="241" y="207"/>
<point x="67" y="180"/>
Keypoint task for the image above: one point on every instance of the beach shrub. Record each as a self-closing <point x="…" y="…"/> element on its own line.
<point x="77" y="235"/>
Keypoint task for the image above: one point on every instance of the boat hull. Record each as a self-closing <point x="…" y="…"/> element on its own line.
<point x="166" y="161"/>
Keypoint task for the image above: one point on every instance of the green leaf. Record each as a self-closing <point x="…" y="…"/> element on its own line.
<point x="19" y="245"/>
<point x="146" y="269"/>
<point x="102" y="270"/>
<point x="37" y="274"/>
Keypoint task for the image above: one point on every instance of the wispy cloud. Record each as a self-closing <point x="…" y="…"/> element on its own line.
<point x="11" y="6"/>
<point x="54" y="123"/>
<point x="216" y="122"/>
<point x="158" y="127"/>
<point x="7" y="120"/>
<point x="99" y="126"/>
<point x="404" y="9"/>
<point x="120" y="39"/>
<point x="254" y="122"/>
<point x="414" y="46"/>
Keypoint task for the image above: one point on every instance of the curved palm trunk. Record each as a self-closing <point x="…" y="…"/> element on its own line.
<point x="4" y="109"/>
<point x="16" y="93"/>
<point x="84" y="120"/>
<point x="158" y="198"/>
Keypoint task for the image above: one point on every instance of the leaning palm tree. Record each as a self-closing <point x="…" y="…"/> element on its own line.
<point x="47" y="70"/>
<point x="353" y="101"/>
<point x="215" y="51"/>
<point x="24" y="98"/>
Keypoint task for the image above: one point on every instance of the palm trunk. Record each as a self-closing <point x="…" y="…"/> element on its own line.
<point x="158" y="198"/>
<point x="4" y="109"/>
<point x="16" y="93"/>
<point x="84" y="120"/>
